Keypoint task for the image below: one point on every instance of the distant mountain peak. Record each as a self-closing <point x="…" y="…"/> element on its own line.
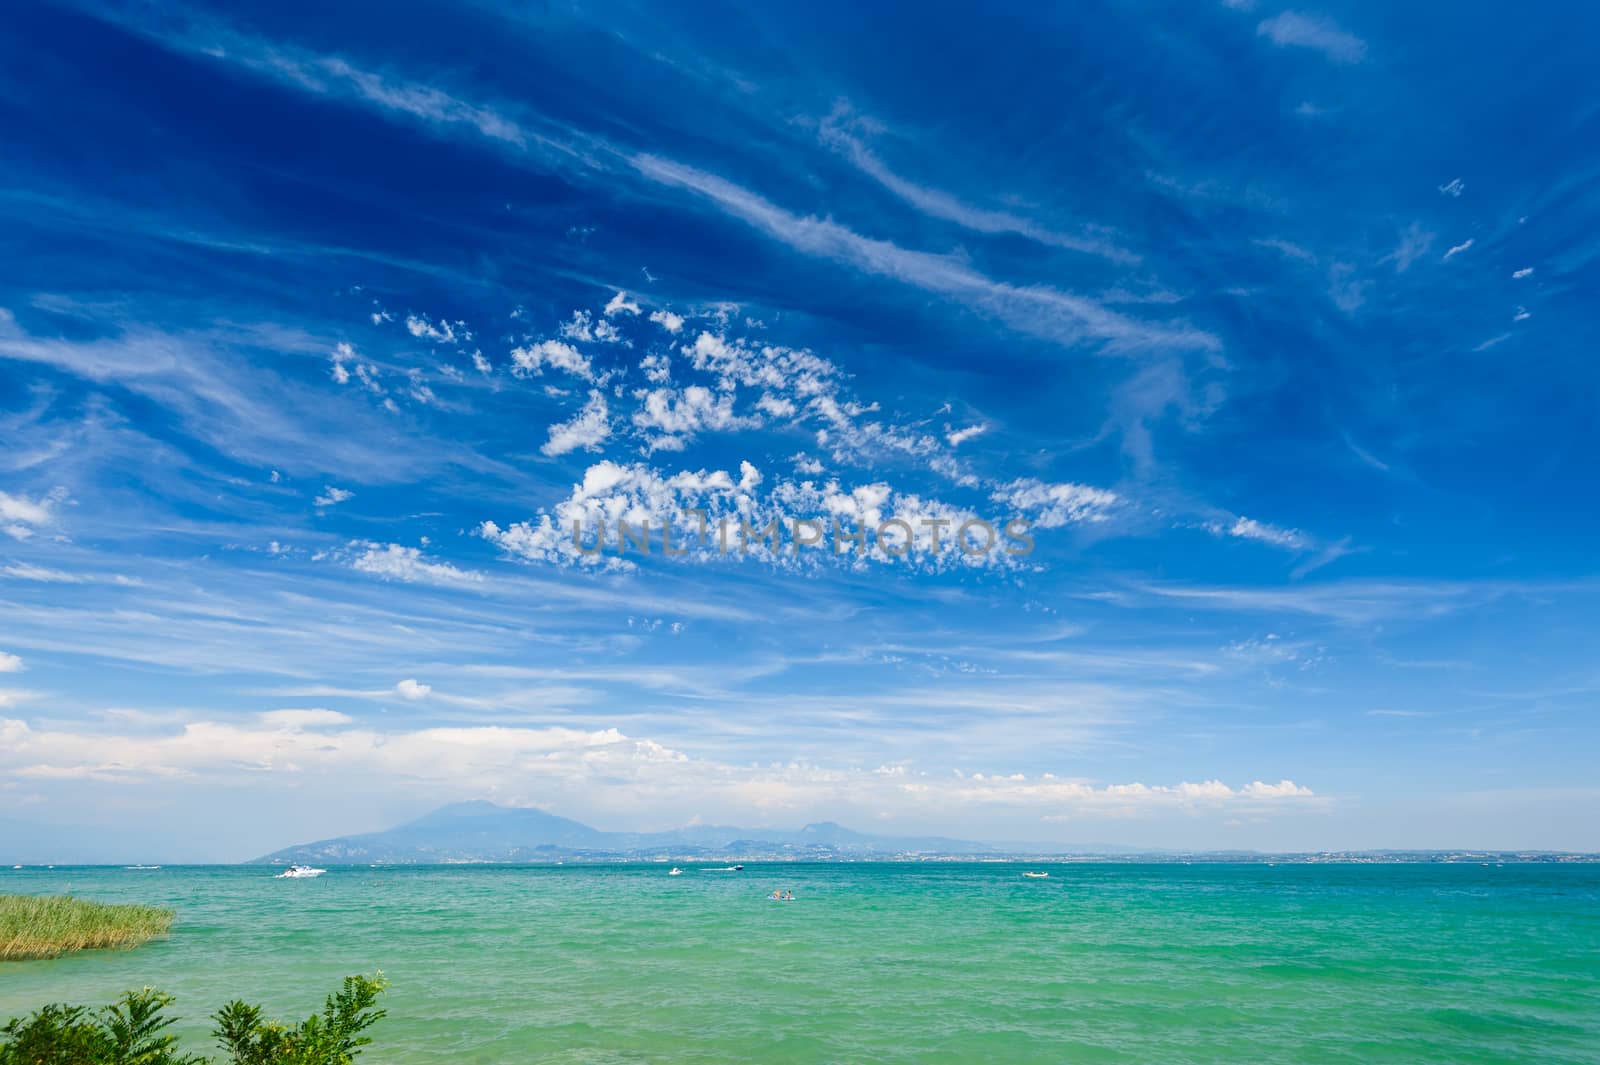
<point x="480" y="830"/>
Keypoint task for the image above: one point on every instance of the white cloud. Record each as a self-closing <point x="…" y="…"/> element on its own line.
<point x="1250" y="529"/>
<point x="1458" y="249"/>
<point x="21" y="509"/>
<point x="643" y="496"/>
<point x="27" y="571"/>
<point x="334" y="77"/>
<point x="299" y="719"/>
<point x="621" y="304"/>
<point x="583" y="326"/>
<point x="1522" y="315"/>
<point x="332" y="496"/>
<point x="21" y="517"/>
<point x="24" y="571"/>
<point x="1036" y="309"/>
<point x="367" y="374"/>
<point x="776" y="406"/>
<point x="1051" y="506"/>
<point x="672" y="323"/>
<point x="732" y="383"/>
<point x="1526" y="271"/>
<point x="1283" y="789"/>
<point x="424" y="328"/>
<point x="533" y="358"/>
<point x="1043" y="311"/>
<point x="637" y="777"/>
<point x="1453" y="188"/>
<point x="331" y="76"/>
<point x="957" y="437"/>
<point x="587" y="429"/>
<point x="1347" y="291"/>
<point x="1414" y="244"/>
<point x="395" y="562"/>
<point x="10" y="663"/>
<point x="1296" y="29"/>
<point x="1288" y="249"/>
<point x="419" y="389"/>
<point x="940" y="204"/>
<point x="344" y="352"/>
<point x="410" y="689"/>
<point x="1049" y="791"/>
<point x="671" y="416"/>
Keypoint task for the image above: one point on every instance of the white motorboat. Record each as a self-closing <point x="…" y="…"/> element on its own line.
<point x="1035" y="876"/>
<point x="299" y="872"/>
<point x="675" y="871"/>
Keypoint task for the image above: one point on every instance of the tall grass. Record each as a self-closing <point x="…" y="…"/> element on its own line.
<point x="47" y="926"/>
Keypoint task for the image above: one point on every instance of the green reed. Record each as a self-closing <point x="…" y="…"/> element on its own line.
<point x="47" y="926"/>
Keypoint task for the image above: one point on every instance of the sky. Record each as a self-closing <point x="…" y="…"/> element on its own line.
<point x="1269" y="331"/>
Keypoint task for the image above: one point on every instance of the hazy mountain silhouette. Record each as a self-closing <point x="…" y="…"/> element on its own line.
<point x="482" y="831"/>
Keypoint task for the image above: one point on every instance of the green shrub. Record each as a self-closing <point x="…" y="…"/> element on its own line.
<point x="132" y="1031"/>
<point x="330" y="1038"/>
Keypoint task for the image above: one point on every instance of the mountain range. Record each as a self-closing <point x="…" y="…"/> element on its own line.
<point x="484" y="832"/>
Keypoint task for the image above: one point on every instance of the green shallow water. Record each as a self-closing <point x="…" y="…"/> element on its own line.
<point x="891" y="963"/>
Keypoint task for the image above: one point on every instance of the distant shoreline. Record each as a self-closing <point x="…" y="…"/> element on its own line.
<point x="1198" y="858"/>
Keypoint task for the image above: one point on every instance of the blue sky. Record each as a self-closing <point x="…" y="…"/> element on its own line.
<point x="320" y="329"/>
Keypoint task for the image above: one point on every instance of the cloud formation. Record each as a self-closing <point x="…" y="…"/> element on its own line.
<point x="1317" y="32"/>
<point x="560" y="764"/>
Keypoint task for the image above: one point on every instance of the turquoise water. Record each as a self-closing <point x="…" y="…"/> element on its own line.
<point x="892" y="963"/>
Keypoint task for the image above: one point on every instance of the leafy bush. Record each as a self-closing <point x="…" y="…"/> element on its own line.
<point x="330" y="1038"/>
<point x="132" y="1031"/>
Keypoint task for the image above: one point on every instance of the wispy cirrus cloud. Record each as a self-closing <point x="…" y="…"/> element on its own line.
<point x="937" y="203"/>
<point x="1355" y="602"/>
<point x="1249" y="529"/>
<point x="22" y="517"/>
<point x="220" y="382"/>
<point x="1316" y="32"/>
<point x="1038" y="310"/>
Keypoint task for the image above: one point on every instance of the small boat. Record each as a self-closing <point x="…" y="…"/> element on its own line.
<point x="1035" y="876"/>
<point x="675" y="871"/>
<point x="299" y="872"/>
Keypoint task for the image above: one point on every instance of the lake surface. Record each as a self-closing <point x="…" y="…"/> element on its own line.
<point x="879" y="962"/>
